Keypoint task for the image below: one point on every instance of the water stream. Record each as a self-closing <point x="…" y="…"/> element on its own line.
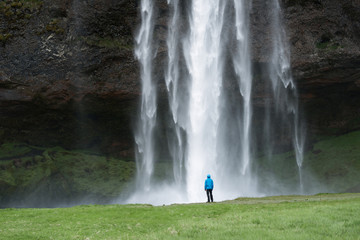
<point x="144" y="135"/>
<point x="203" y="53"/>
<point x="284" y="89"/>
<point x="210" y="128"/>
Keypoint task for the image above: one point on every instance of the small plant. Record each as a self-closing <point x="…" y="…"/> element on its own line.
<point x="322" y="45"/>
<point x="107" y="42"/>
<point x="18" y="9"/>
<point x="53" y="26"/>
<point x="328" y="45"/>
<point x="5" y="37"/>
<point x="326" y="42"/>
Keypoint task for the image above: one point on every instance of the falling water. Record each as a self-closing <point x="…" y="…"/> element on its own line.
<point x="177" y="141"/>
<point x="203" y="51"/>
<point x="144" y="135"/>
<point x="209" y="129"/>
<point x="242" y="65"/>
<point x="284" y="88"/>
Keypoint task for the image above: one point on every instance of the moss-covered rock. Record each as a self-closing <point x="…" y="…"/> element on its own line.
<point x="53" y="176"/>
<point x="5" y="37"/>
<point x="15" y="10"/>
<point x="331" y="165"/>
<point x="108" y="42"/>
<point x="15" y="16"/>
<point x="53" y="26"/>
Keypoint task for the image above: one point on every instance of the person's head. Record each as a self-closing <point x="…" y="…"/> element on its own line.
<point x="208" y="176"/>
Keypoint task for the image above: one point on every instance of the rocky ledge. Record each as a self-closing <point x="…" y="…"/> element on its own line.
<point x="68" y="76"/>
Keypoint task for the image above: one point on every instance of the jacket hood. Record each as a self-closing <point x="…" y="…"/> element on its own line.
<point x="208" y="175"/>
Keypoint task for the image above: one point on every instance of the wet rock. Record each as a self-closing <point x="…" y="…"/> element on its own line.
<point x="68" y="75"/>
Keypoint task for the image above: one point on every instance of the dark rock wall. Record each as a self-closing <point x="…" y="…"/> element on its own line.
<point x="325" y="56"/>
<point x="68" y="75"/>
<point x="325" y="47"/>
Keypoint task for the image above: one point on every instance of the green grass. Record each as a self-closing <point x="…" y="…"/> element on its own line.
<point x="335" y="161"/>
<point x="324" y="216"/>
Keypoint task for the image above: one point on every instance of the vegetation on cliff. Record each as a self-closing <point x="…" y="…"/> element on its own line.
<point x="16" y="14"/>
<point x="332" y="165"/>
<point x="33" y="176"/>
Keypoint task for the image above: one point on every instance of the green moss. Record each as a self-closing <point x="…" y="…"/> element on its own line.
<point x="16" y="15"/>
<point x="327" y="45"/>
<point x="54" y="27"/>
<point x="94" y="174"/>
<point x="6" y="178"/>
<point x="24" y="167"/>
<point x="334" y="46"/>
<point x="16" y="4"/>
<point x="5" y="37"/>
<point x="334" y="163"/>
<point x="32" y="5"/>
<point x="9" y="13"/>
<point x="13" y="150"/>
<point x="326" y="42"/>
<point x="107" y="42"/>
<point x="322" y="45"/>
<point x="19" y="9"/>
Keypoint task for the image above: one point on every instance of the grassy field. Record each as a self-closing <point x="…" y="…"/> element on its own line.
<point x="323" y="216"/>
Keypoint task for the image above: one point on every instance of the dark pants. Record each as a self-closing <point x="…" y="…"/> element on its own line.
<point x="209" y="195"/>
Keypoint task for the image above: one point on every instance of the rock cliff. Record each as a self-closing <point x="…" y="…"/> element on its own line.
<point x="68" y="76"/>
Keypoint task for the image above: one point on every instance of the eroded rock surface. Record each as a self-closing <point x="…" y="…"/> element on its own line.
<point x="68" y="75"/>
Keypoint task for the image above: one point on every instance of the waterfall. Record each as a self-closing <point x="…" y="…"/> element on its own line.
<point x="242" y="65"/>
<point x="203" y="54"/>
<point x="177" y="141"/>
<point x="209" y="83"/>
<point x="284" y="88"/>
<point x="144" y="135"/>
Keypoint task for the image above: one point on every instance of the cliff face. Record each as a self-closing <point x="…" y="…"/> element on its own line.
<point x="324" y="38"/>
<point x="68" y="75"/>
<point x="325" y="46"/>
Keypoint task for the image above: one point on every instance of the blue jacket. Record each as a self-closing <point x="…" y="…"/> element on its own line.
<point x="209" y="184"/>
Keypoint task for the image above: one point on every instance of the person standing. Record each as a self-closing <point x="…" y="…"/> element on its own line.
<point x="209" y="186"/>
